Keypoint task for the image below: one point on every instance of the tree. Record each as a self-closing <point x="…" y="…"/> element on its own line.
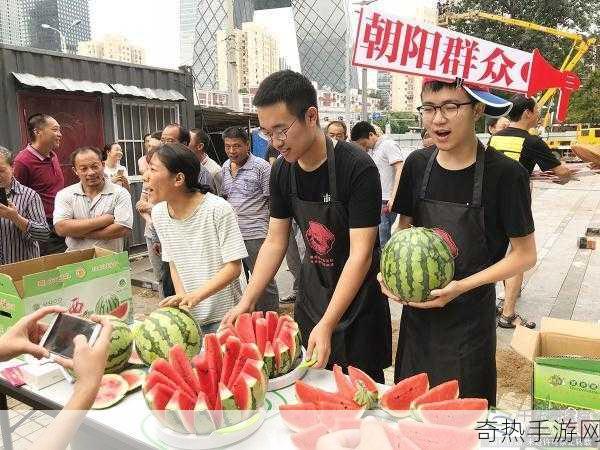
<point x="581" y="16"/>
<point x="400" y="122"/>
<point x="584" y="106"/>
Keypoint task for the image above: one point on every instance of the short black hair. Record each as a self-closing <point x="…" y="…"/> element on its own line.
<point x="156" y="135"/>
<point x="236" y="133"/>
<point x="339" y="123"/>
<point x="145" y="136"/>
<point x="184" y="134"/>
<point x="520" y="103"/>
<point x="203" y="136"/>
<point x="84" y="149"/>
<point x="106" y="150"/>
<point x="177" y="158"/>
<point x="437" y="85"/>
<point x="361" y="130"/>
<point x="289" y="87"/>
<point x="34" y="122"/>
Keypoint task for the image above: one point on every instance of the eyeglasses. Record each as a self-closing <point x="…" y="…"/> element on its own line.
<point x="279" y="135"/>
<point x="448" y="110"/>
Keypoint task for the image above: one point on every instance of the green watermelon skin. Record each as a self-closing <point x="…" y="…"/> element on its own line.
<point x="120" y="346"/>
<point x="106" y="304"/>
<point x="416" y="261"/>
<point x="163" y="329"/>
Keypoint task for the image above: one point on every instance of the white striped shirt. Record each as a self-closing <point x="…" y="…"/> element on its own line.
<point x="73" y="203"/>
<point x="199" y="246"/>
<point x="16" y="245"/>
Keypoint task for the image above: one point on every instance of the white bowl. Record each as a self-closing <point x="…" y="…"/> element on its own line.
<point x="289" y="378"/>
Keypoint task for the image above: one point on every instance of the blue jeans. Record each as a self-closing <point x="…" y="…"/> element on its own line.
<point x="385" y="227"/>
<point x="210" y="327"/>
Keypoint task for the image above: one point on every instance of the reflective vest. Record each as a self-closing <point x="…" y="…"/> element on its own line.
<point x="511" y="146"/>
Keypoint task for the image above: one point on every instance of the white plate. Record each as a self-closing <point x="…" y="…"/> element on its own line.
<point x="289" y="378"/>
<point x="219" y="438"/>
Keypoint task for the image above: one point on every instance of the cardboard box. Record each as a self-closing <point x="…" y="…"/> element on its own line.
<point x="566" y="364"/>
<point x="75" y="280"/>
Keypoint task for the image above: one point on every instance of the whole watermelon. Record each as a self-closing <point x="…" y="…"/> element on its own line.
<point x="416" y="261"/>
<point x="121" y="344"/>
<point x="106" y="304"/>
<point x="164" y="328"/>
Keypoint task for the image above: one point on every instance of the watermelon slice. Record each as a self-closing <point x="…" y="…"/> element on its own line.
<point x="254" y="368"/>
<point x="269" y="359"/>
<point x="243" y="390"/>
<point x="155" y="378"/>
<point x="272" y="321"/>
<point x="212" y="349"/>
<point x="307" y="393"/>
<point x="397" y="440"/>
<point x="307" y="439"/>
<point x="223" y="334"/>
<point x="331" y="412"/>
<point x="367" y="394"/>
<point x="343" y="383"/>
<point x="438" y="437"/>
<point x="135" y="359"/>
<point x="232" y="350"/>
<point x="171" y="415"/>
<point x="281" y="321"/>
<point x="247" y="351"/>
<point x="244" y="329"/>
<point x="112" y="390"/>
<point x="120" y="311"/>
<point x="181" y="363"/>
<point x="157" y="398"/>
<point x="260" y="332"/>
<point x="134" y="377"/>
<point x="283" y="362"/>
<point x="207" y="378"/>
<point x="397" y="400"/>
<point x="444" y="391"/>
<point x="463" y="413"/>
<point x="231" y="413"/>
<point x="255" y="316"/>
<point x="162" y="366"/>
<point x="203" y="419"/>
<point x="187" y="412"/>
<point x="346" y="423"/>
<point x="287" y="335"/>
<point x="299" y="416"/>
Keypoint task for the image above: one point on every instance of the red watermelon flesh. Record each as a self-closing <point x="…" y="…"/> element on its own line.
<point x="120" y="311"/>
<point x="224" y="333"/>
<point x="253" y="368"/>
<point x="272" y="320"/>
<point x="213" y="350"/>
<point x="438" y="437"/>
<point x="286" y="334"/>
<point x="242" y="393"/>
<point x="244" y="329"/>
<point x="310" y="394"/>
<point x="203" y="418"/>
<point x="463" y="413"/>
<point x="346" y="423"/>
<point x="157" y="399"/>
<point x="299" y="416"/>
<point x="280" y="323"/>
<point x="444" y="391"/>
<point x="343" y="383"/>
<point x="397" y="400"/>
<point x="180" y="362"/>
<point x="247" y="351"/>
<point x="307" y="439"/>
<point x="260" y="331"/>
<point x="331" y="412"/>
<point x="134" y="377"/>
<point x="186" y="411"/>
<point x="356" y="375"/>
<point x="154" y="378"/>
<point x="397" y="440"/>
<point x="162" y="366"/>
<point x="367" y="394"/>
<point x="206" y="378"/>
<point x="255" y="316"/>
<point x="232" y="350"/>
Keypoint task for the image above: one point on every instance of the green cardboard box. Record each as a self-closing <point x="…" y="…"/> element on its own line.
<point x="566" y="364"/>
<point x="76" y="280"/>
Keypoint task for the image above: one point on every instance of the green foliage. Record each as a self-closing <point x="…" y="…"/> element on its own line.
<point x="400" y="122"/>
<point x="585" y="103"/>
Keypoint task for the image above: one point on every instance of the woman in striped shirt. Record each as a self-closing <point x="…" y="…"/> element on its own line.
<point x="22" y="221"/>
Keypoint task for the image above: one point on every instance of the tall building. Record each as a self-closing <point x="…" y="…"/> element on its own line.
<point x="199" y="22"/>
<point x="115" y="47"/>
<point x="384" y="87"/>
<point x="10" y="22"/>
<point x="59" y="14"/>
<point x="405" y="90"/>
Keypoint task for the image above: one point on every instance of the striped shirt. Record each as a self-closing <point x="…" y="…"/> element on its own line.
<point x="199" y="246"/>
<point x="73" y="203"/>
<point x="16" y="245"/>
<point x="248" y="193"/>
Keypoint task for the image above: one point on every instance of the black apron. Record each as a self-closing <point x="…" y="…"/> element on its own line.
<point x="457" y="341"/>
<point x="363" y="336"/>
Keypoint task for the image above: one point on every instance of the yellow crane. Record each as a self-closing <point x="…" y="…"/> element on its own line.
<point x="580" y="47"/>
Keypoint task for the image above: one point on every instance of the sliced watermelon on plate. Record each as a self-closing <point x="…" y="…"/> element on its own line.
<point x="112" y="390"/>
<point x="272" y="321"/>
<point x="444" y="391"/>
<point x="134" y="377"/>
<point x="398" y="399"/>
<point x="244" y="328"/>
<point x="157" y="398"/>
<point x="299" y="416"/>
<point x="307" y="439"/>
<point x="162" y="366"/>
<point x="260" y="331"/>
<point x="438" y="437"/>
<point x="232" y="350"/>
<point x="180" y="362"/>
<point x="461" y="412"/>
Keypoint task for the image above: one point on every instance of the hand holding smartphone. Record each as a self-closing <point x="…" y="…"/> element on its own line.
<point x="58" y="339"/>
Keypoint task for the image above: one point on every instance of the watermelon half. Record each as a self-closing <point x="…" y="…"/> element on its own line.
<point x="444" y="391"/>
<point x="112" y="390"/>
<point x="398" y="399"/>
<point x="134" y="377"/>
<point x="462" y="413"/>
<point x="439" y="437"/>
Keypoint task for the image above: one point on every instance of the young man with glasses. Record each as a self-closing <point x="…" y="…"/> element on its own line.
<point x="482" y="199"/>
<point x="334" y="195"/>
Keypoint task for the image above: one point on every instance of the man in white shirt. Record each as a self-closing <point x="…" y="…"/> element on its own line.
<point x="388" y="158"/>
<point x="93" y="212"/>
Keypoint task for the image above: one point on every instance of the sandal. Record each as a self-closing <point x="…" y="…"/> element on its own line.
<point x="499" y="306"/>
<point x="507" y="322"/>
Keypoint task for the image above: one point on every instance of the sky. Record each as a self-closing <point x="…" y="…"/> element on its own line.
<point x="153" y="24"/>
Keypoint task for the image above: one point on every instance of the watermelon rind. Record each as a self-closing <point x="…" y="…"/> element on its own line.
<point x="164" y="328"/>
<point x="416" y="261"/>
<point x="120" y="346"/>
<point x="462" y="413"/>
<point x="203" y="420"/>
<point x="113" y="388"/>
<point x="231" y="412"/>
<point x="269" y="360"/>
<point x="171" y="417"/>
<point x="134" y="377"/>
<point x="448" y="390"/>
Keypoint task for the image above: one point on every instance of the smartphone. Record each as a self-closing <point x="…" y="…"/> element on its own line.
<point x="58" y="339"/>
<point x="3" y="198"/>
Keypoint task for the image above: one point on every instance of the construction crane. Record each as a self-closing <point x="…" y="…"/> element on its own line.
<point x="581" y="45"/>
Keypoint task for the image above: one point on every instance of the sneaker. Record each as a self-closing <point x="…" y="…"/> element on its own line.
<point x="289" y="299"/>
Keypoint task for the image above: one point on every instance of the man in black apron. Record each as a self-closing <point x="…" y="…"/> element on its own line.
<point x="332" y="190"/>
<point x="482" y="199"/>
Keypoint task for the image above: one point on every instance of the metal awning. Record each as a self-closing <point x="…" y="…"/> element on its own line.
<point x="153" y="94"/>
<point x="62" y="84"/>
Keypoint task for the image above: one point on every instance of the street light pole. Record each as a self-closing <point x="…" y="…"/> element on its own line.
<point x="63" y="40"/>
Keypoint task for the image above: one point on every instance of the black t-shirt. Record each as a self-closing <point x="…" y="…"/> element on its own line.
<point x="358" y="186"/>
<point x="533" y="149"/>
<point x="506" y="197"/>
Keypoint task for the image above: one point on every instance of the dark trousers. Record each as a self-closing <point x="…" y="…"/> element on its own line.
<point x="55" y="244"/>
<point x="167" y="281"/>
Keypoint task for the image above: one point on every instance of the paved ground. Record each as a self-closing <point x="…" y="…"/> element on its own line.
<point x="564" y="284"/>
